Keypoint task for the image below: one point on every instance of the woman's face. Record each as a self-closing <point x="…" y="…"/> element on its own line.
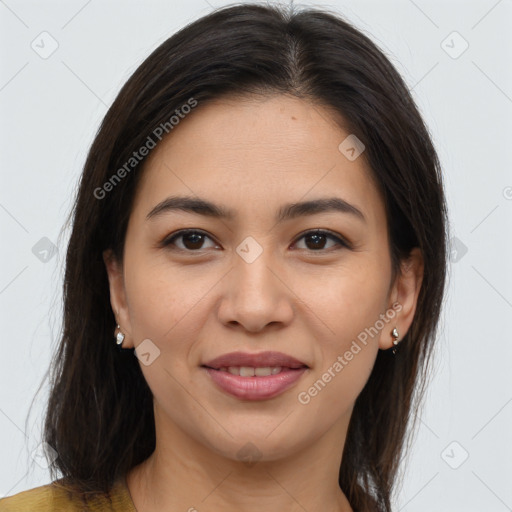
<point x="260" y="280"/>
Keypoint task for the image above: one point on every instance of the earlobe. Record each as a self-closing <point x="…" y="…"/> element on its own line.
<point x="118" y="298"/>
<point x="404" y="299"/>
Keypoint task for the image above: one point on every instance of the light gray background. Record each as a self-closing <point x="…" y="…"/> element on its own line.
<point x="51" y="108"/>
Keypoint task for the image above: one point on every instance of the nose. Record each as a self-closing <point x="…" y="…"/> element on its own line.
<point x="256" y="295"/>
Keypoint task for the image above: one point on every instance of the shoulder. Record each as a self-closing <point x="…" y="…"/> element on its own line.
<point x="55" y="497"/>
<point x="47" y="498"/>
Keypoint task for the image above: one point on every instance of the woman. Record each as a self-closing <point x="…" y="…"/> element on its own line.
<point x="261" y="221"/>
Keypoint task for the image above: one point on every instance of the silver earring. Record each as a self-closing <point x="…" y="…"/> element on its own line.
<point x="395" y="335"/>
<point x="119" y="336"/>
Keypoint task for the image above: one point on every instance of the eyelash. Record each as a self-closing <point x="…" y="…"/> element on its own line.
<point x="340" y="241"/>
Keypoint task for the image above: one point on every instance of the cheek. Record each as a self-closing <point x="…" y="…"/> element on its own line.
<point x="349" y="299"/>
<point x="161" y="300"/>
<point x="164" y="307"/>
<point x="350" y="307"/>
<point x="168" y="307"/>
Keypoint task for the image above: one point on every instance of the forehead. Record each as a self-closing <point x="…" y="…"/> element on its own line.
<point x="248" y="152"/>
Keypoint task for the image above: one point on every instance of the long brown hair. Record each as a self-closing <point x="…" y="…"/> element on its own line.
<point x="99" y="417"/>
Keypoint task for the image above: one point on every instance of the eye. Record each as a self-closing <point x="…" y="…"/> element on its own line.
<point x="317" y="239"/>
<point x="193" y="240"/>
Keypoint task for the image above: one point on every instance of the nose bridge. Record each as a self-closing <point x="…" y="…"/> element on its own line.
<point x="256" y="297"/>
<point x="252" y="261"/>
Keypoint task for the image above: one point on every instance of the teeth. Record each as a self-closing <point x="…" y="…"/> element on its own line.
<point x="248" y="371"/>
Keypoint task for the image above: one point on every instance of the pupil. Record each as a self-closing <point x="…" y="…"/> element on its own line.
<point x="195" y="243"/>
<point x="317" y="238"/>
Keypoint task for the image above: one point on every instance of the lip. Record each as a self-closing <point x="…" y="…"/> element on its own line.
<point x="260" y="360"/>
<point x="255" y="388"/>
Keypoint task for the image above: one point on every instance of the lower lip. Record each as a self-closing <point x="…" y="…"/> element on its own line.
<point x="255" y="388"/>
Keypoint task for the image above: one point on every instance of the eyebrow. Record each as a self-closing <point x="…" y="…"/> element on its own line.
<point x="289" y="211"/>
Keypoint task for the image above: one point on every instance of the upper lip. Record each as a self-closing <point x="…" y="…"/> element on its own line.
<point x="260" y="360"/>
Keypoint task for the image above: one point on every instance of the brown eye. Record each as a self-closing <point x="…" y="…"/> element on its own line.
<point x="192" y="240"/>
<point x="316" y="240"/>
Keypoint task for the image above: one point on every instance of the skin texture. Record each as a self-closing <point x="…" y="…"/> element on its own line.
<point x="309" y="299"/>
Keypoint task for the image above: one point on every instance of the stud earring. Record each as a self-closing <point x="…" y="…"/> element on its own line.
<point x="395" y="335"/>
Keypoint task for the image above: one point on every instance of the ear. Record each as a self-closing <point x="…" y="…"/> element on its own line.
<point x="403" y="298"/>
<point x="118" y="296"/>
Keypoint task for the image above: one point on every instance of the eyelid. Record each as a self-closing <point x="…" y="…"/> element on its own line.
<point x="168" y="240"/>
<point x="339" y="239"/>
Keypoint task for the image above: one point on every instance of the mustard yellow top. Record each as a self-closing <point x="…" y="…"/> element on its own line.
<point x="55" y="498"/>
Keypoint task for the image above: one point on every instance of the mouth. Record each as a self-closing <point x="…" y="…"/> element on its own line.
<point x="249" y="371"/>
<point x="244" y="362"/>
<point x="255" y="376"/>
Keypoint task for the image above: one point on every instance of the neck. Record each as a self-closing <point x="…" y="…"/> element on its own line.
<point x="182" y="474"/>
